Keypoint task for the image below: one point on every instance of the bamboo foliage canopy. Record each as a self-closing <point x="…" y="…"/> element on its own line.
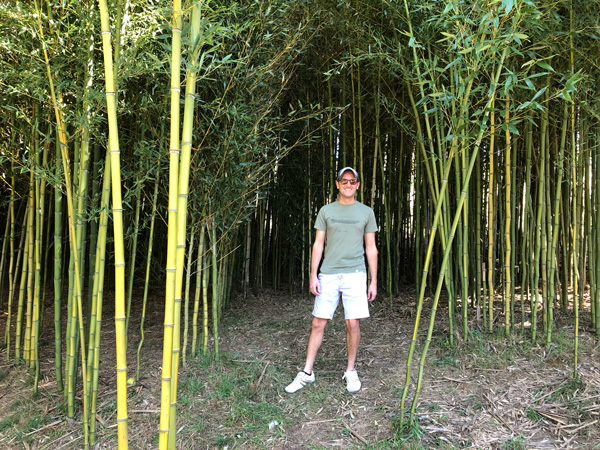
<point x="474" y="127"/>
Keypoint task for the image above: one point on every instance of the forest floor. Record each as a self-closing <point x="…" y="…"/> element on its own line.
<point x="489" y="392"/>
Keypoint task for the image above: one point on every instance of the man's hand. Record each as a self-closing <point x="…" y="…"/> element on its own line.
<point x="315" y="286"/>
<point x="372" y="292"/>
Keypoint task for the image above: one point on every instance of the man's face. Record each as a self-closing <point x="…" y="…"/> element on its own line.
<point x="347" y="185"/>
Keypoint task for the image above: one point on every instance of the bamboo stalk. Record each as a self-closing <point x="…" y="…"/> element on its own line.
<point x="117" y="214"/>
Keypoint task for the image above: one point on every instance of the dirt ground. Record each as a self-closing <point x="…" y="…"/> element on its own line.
<point x="489" y="392"/>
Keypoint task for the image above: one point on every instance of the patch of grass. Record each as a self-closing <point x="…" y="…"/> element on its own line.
<point x="222" y="441"/>
<point x="25" y="417"/>
<point x="224" y="387"/>
<point x="189" y="387"/>
<point x="533" y="415"/>
<point x="477" y="403"/>
<point x="238" y="400"/>
<point x="515" y="443"/>
<point x="567" y="390"/>
<point x="448" y="361"/>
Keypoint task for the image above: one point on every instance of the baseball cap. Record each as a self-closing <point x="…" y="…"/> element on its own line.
<point x="346" y="169"/>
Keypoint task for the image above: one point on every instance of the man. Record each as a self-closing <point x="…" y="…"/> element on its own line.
<point x="343" y="227"/>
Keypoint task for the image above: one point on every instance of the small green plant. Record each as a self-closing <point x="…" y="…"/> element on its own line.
<point x="406" y="430"/>
<point x="477" y="403"/>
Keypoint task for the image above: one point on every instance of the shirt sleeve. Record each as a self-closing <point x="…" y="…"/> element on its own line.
<point x="321" y="222"/>
<point x="371" y="226"/>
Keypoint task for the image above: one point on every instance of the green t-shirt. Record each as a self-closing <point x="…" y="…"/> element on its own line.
<point x="345" y="227"/>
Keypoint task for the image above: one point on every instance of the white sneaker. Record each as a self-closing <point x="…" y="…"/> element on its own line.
<point x="301" y="380"/>
<point x="353" y="384"/>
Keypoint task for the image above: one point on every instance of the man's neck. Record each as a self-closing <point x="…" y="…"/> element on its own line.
<point x="346" y="201"/>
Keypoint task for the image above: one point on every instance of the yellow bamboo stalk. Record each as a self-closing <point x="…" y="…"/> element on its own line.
<point x="167" y="360"/>
<point x="182" y="206"/>
<point x="117" y="209"/>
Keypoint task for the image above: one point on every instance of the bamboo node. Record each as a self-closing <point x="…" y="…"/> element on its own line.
<point x="110" y="93"/>
<point x="122" y="370"/>
<point x="123" y="419"/>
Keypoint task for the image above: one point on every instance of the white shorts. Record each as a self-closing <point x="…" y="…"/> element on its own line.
<point x="352" y="286"/>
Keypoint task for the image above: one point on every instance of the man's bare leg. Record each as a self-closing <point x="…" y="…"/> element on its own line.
<point x="352" y="341"/>
<point x="314" y="342"/>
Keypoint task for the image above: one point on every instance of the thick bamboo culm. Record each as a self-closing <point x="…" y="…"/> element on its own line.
<point x="117" y="212"/>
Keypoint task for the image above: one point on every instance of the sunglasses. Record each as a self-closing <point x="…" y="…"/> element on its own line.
<point x="344" y="181"/>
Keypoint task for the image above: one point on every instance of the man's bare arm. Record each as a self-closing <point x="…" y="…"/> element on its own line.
<point x="317" y="253"/>
<point x="371" y="251"/>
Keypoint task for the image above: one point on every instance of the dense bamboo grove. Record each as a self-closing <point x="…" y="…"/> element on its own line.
<point x="474" y="127"/>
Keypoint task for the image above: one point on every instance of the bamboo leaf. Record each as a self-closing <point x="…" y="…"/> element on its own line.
<point x="544" y="65"/>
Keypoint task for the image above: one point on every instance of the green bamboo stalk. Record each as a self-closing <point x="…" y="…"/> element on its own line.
<point x="596" y="297"/>
<point x="199" y="270"/>
<point x="11" y="264"/>
<point x="132" y="258"/>
<point x="147" y="278"/>
<point x="513" y="236"/>
<point x="27" y="344"/>
<point x="38" y="298"/>
<point x="205" y="302"/>
<point x="388" y="231"/>
<point x="508" y="219"/>
<point x="5" y="242"/>
<point x="478" y="251"/>
<point x="58" y="232"/>
<point x="22" y="286"/>
<point x="188" y="278"/>
<point x="527" y="214"/>
<point x="360" y="131"/>
<point x="215" y="290"/>
<point x="555" y="215"/>
<point x="97" y="298"/>
<point x="491" y="220"/>
<point x="96" y="188"/>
